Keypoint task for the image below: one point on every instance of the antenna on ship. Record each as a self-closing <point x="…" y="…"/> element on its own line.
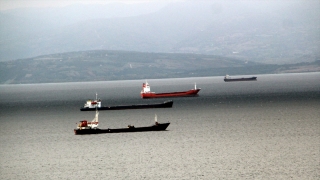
<point x="195" y="85"/>
<point x="156" y="120"/>
<point x="96" y="118"/>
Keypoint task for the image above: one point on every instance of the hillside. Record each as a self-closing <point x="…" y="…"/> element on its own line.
<point x="272" y="32"/>
<point x="103" y="65"/>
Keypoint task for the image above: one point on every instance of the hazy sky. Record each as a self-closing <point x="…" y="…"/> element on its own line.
<point x="12" y="4"/>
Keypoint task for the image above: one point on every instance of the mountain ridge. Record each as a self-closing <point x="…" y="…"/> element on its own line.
<point x="279" y="33"/>
<point x="107" y="65"/>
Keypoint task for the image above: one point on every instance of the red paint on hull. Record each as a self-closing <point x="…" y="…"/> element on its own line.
<point x="192" y="92"/>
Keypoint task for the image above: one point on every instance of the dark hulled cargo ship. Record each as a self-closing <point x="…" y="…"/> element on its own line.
<point x="227" y="78"/>
<point x="92" y="105"/>
<point x="85" y="127"/>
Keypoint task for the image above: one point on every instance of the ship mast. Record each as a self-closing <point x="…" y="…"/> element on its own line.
<point x="156" y="120"/>
<point x="97" y="112"/>
<point x="97" y="116"/>
<point x="95" y="121"/>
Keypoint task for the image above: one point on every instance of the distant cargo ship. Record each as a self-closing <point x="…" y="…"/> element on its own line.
<point x="92" y="105"/>
<point x="85" y="127"/>
<point x="146" y="93"/>
<point x="227" y="78"/>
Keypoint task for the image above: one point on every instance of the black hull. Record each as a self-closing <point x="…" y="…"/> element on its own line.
<point x="159" y="127"/>
<point x="241" y="79"/>
<point x="166" y="104"/>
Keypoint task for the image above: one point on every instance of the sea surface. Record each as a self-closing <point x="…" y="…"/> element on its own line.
<point x="264" y="129"/>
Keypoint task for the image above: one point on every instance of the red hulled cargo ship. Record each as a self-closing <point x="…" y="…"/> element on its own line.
<point x="146" y="93"/>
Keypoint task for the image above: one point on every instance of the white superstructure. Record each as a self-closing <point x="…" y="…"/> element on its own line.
<point x="145" y="88"/>
<point x="93" y="103"/>
<point x="89" y="125"/>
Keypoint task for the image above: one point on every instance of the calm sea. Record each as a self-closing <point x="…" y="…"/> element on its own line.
<point x="264" y="129"/>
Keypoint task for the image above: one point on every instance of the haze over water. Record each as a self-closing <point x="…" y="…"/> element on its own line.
<point x="264" y="129"/>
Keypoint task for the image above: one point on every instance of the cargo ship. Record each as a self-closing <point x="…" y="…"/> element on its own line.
<point x="92" y="105"/>
<point x="227" y="78"/>
<point x="85" y="127"/>
<point x="146" y="93"/>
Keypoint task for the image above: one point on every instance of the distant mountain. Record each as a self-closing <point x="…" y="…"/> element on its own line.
<point x="103" y="65"/>
<point x="275" y="32"/>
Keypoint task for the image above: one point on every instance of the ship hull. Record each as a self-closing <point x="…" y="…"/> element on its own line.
<point x="192" y="92"/>
<point x="241" y="79"/>
<point x="166" y="104"/>
<point x="159" y="127"/>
